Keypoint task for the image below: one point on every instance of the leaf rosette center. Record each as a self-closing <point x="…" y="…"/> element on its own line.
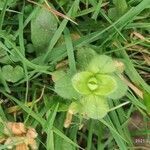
<point x="92" y="84"/>
<point x="87" y="83"/>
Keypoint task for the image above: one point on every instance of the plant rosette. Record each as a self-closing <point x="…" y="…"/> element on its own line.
<point x="92" y="87"/>
<point x="98" y="83"/>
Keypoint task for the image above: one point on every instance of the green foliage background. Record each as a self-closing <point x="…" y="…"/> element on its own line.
<point x="35" y="44"/>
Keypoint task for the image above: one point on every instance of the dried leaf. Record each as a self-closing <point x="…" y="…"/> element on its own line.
<point x="15" y="128"/>
<point x="22" y="146"/>
<point x="31" y="133"/>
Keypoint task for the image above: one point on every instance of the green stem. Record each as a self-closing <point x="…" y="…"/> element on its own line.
<point x="89" y="141"/>
<point x="100" y="145"/>
<point x="2" y="15"/>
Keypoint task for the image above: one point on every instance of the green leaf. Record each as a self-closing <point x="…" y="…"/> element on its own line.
<point x="112" y="13"/>
<point x="84" y="56"/>
<point x="30" y="48"/>
<point x="4" y="57"/>
<point x="106" y="85"/>
<point x="80" y="82"/>
<point x="64" y="88"/>
<point x="43" y="27"/>
<point x="3" y="81"/>
<point x="67" y="145"/>
<point x="121" y="89"/>
<point x="98" y="84"/>
<point x="10" y="3"/>
<point x="64" y="137"/>
<point x="12" y="74"/>
<point x="13" y="56"/>
<point x="95" y="107"/>
<point x="147" y="101"/>
<point x="58" y="75"/>
<point x="51" y="101"/>
<point x="121" y="7"/>
<point x="102" y="64"/>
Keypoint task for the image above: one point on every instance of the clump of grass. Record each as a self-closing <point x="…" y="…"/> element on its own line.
<point x="39" y="39"/>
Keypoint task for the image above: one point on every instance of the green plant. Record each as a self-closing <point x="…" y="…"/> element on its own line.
<point x="35" y="42"/>
<point x="91" y="88"/>
<point x="12" y="74"/>
<point x="120" y="8"/>
<point x="43" y="26"/>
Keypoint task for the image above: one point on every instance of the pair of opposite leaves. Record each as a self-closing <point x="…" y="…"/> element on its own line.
<point x="92" y="87"/>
